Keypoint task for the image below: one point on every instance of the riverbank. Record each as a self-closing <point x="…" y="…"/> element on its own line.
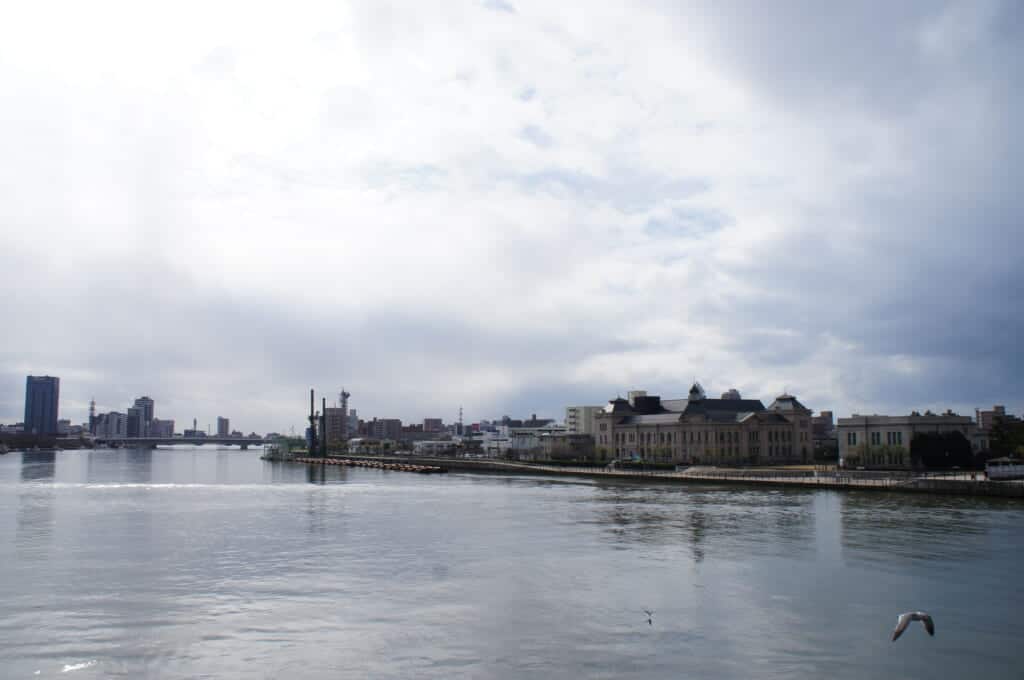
<point x="955" y="485"/>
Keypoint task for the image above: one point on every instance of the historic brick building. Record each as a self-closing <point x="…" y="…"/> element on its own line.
<point x="699" y="430"/>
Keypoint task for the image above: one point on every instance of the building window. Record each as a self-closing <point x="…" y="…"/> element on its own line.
<point x="851" y="438"/>
<point x="876" y="438"/>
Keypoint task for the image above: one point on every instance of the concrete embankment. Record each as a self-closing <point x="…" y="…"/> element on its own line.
<point x="960" y="485"/>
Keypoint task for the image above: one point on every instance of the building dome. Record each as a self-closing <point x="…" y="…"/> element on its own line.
<point x="696" y="392"/>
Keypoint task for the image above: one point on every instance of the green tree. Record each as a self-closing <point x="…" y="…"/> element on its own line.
<point x="1006" y="438"/>
<point x="941" y="450"/>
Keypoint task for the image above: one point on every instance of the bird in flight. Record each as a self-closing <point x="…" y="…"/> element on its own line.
<point x="649" y="615"/>
<point x="904" y="620"/>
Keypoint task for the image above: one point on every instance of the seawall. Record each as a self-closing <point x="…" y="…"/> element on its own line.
<point x="779" y="478"/>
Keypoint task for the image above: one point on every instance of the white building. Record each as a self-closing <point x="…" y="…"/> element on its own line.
<point x="496" y="443"/>
<point x="525" y="442"/>
<point x="112" y="424"/>
<point x="432" y="447"/>
<point x="580" y="419"/>
<point x="884" y="441"/>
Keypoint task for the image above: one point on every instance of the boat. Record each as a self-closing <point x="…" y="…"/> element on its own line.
<point x="1005" y="468"/>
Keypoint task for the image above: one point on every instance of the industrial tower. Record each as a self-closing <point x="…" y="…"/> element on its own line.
<point x="344" y="414"/>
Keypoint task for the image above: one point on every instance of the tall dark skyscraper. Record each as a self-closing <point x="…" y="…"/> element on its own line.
<point x="42" y="394"/>
<point x="145" y="416"/>
<point x="146" y="404"/>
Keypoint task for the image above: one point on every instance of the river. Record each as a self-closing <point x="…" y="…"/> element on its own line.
<point x="185" y="563"/>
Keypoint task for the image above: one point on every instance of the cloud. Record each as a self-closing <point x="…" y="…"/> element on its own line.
<point x="499" y="6"/>
<point x="537" y="136"/>
<point x="438" y="207"/>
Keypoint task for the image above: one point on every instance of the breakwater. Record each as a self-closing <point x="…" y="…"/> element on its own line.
<point x="374" y="464"/>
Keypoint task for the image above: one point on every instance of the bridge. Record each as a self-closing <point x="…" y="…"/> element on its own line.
<point x="153" y="442"/>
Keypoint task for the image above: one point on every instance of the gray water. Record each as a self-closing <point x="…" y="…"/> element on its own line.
<point x="213" y="563"/>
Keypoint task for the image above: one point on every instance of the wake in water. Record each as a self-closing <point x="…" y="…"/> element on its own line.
<point x="77" y="666"/>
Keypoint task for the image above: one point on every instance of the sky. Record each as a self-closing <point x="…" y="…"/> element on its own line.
<point x="510" y="206"/>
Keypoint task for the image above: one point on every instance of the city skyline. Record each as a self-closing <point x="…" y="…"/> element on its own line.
<point x="511" y="207"/>
<point x="145" y="404"/>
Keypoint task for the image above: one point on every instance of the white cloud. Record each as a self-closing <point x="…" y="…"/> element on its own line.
<point x="449" y="205"/>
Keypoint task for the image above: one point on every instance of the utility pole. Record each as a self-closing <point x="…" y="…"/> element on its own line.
<point x="323" y="429"/>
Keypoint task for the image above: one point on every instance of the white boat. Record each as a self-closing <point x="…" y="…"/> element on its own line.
<point x="1005" y="468"/>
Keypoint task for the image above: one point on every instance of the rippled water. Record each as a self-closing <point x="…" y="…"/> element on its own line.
<point x="204" y="563"/>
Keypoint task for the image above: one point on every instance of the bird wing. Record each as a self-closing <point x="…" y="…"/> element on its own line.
<point x="929" y="625"/>
<point x="648" y="612"/>
<point x="901" y="625"/>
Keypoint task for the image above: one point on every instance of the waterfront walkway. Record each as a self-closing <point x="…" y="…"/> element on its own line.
<point x="958" y="483"/>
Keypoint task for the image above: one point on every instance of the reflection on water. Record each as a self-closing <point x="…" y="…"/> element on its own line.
<point x="698" y="529"/>
<point x="38" y="465"/>
<point x="879" y="527"/>
<point x="122" y="465"/>
<point x="708" y="518"/>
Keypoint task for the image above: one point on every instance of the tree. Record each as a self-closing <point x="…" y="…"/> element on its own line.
<point x="941" y="450"/>
<point x="1006" y="438"/>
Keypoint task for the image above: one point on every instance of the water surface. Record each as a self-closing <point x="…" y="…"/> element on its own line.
<point x="181" y="563"/>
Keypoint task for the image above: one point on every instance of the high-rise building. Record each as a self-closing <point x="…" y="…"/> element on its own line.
<point x="986" y="419"/>
<point x="136" y="422"/>
<point x="42" y="395"/>
<point x="111" y="424"/>
<point x="146" y="404"/>
<point x="337" y="424"/>
<point x="223" y="426"/>
<point x="386" y="428"/>
<point x="433" y="425"/>
<point x="161" y="428"/>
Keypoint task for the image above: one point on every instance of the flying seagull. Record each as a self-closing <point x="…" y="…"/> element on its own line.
<point x="904" y="620"/>
<point x="649" y="615"/>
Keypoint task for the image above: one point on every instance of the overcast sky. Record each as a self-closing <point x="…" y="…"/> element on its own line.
<point x="512" y="206"/>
